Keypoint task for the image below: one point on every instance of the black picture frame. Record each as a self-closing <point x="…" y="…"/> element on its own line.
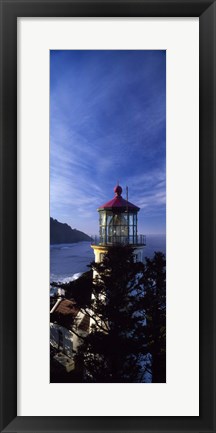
<point x="10" y="11"/>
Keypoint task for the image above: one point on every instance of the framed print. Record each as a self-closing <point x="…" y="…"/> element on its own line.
<point x="39" y="41"/>
<point x="183" y="51"/>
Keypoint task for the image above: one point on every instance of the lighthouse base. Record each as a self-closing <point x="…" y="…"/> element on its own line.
<point x="101" y="250"/>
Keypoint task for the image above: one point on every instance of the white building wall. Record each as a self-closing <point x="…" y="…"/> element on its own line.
<point x="67" y="339"/>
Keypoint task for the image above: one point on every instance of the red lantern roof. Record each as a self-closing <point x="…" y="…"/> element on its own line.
<point x="119" y="203"/>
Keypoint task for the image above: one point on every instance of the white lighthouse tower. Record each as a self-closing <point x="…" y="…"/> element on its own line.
<point x="118" y="226"/>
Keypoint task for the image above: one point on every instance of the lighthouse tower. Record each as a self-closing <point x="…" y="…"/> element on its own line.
<point x="118" y="226"/>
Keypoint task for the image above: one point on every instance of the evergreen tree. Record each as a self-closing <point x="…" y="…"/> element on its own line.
<point x="127" y="342"/>
<point x="154" y="304"/>
<point x="113" y="350"/>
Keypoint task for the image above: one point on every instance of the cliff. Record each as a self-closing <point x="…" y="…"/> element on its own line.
<point x="63" y="234"/>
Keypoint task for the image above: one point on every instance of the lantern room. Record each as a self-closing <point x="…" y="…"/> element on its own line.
<point x="118" y="226"/>
<point x="118" y="221"/>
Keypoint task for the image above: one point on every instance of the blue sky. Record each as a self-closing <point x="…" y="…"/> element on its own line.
<point x="107" y="124"/>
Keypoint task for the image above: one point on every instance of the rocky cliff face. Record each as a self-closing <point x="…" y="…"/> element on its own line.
<point x="63" y="234"/>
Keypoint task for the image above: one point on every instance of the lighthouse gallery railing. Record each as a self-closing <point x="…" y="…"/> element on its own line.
<point x="119" y="240"/>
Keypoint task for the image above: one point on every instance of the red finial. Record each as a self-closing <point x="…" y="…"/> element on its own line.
<point x="118" y="190"/>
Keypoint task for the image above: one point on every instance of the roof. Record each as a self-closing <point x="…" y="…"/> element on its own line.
<point x="64" y="313"/>
<point x="119" y="203"/>
<point x="67" y="308"/>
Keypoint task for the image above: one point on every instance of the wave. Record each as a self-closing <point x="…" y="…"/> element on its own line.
<point x="72" y="278"/>
<point x="59" y="279"/>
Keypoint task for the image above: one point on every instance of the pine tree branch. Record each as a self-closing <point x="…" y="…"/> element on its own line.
<point x="79" y="336"/>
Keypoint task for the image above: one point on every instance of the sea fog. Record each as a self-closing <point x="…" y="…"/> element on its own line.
<point x="68" y="261"/>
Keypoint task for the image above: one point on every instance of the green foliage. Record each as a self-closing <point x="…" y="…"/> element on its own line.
<point x="127" y="306"/>
<point x="154" y="304"/>
<point x="113" y="349"/>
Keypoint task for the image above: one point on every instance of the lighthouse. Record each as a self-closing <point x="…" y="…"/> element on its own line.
<point x="118" y="226"/>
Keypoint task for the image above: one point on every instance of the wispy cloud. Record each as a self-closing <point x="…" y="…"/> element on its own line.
<point x="107" y="123"/>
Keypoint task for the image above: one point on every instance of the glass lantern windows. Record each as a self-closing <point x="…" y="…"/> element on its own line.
<point x="118" y="227"/>
<point x="102" y="217"/>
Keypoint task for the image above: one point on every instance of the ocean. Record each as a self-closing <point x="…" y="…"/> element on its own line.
<point x="68" y="261"/>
